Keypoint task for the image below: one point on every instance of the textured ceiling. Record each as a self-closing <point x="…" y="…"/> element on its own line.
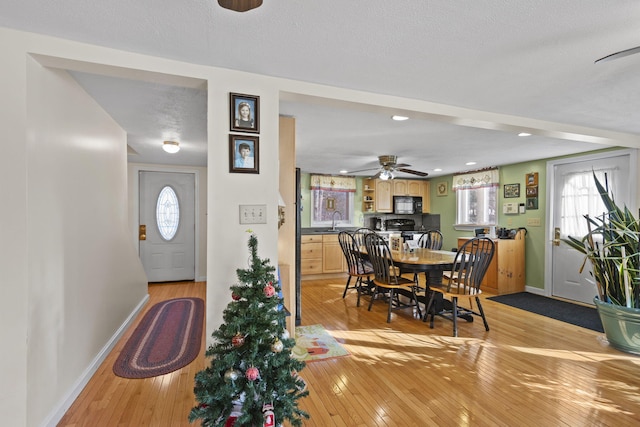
<point x="527" y="62"/>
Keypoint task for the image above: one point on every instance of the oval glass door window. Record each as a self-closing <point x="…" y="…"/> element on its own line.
<point x="167" y="213"/>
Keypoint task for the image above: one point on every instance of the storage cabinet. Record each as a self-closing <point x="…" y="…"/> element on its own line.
<point x="332" y="257"/>
<point x="311" y="254"/>
<point x="368" y="195"/>
<point x="383" y="197"/>
<point x="506" y="273"/>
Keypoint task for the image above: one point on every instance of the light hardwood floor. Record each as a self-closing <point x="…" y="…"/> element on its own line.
<point x="528" y="370"/>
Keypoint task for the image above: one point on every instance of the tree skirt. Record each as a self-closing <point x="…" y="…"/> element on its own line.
<point x="167" y="338"/>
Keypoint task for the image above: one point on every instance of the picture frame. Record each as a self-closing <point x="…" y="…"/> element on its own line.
<point x="532" y="191"/>
<point x="532" y="203"/>
<point x="240" y="145"/>
<point x="511" y="191"/>
<point x="240" y="103"/>
<point x="531" y="179"/>
<point x="442" y="189"/>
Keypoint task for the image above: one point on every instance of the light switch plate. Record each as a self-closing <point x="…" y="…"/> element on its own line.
<point x="533" y="222"/>
<point x="253" y="214"/>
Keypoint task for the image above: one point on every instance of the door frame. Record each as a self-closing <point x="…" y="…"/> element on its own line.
<point x="134" y="205"/>
<point x="550" y="189"/>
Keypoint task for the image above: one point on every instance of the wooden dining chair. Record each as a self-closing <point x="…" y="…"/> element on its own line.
<point x="469" y="267"/>
<point x="357" y="266"/>
<point x="387" y="278"/>
<point x="431" y="239"/>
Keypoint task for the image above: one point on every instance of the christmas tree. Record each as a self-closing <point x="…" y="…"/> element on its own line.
<point x="252" y="380"/>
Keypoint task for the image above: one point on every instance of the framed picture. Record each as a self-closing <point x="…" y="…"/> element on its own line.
<point x="532" y="191"/>
<point x="532" y="203"/>
<point x="244" y="154"/>
<point x="532" y="178"/>
<point x="441" y="189"/>
<point x="244" y="112"/>
<point x="511" y="190"/>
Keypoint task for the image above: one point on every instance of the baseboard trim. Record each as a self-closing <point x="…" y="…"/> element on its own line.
<point x="59" y="410"/>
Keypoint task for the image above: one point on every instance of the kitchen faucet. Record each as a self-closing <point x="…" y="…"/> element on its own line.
<point x="333" y="219"/>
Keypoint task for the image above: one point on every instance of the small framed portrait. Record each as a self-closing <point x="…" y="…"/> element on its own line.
<point x="532" y="178"/>
<point x="511" y="191"/>
<point x="244" y="111"/>
<point x="532" y="191"/>
<point x="244" y="154"/>
<point x="532" y="203"/>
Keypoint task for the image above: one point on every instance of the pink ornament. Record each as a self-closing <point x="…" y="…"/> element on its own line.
<point x="252" y="373"/>
<point x="269" y="290"/>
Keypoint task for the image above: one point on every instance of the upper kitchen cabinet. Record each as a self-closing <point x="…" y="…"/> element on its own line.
<point x="407" y="187"/>
<point x="383" y="197"/>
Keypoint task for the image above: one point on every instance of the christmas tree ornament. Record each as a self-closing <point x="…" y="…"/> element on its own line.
<point x="269" y="290"/>
<point x="237" y="340"/>
<point x="252" y="373"/>
<point x="235" y="296"/>
<point x="277" y="346"/>
<point x="231" y="375"/>
<point x="269" y="417"/>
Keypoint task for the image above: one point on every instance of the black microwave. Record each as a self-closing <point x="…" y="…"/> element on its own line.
<point x="407" y="205"/>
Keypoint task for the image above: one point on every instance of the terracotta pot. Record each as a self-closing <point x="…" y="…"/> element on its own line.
<point x="621" y="325"/>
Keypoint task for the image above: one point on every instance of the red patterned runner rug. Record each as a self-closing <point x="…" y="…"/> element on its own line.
<point x="167" y="338"/>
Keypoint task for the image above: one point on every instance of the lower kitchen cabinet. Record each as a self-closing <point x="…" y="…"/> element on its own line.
<point x="332" y="257"/>
<point x="320" y="254"/>
<point x="506" y="273"/>
<point x="311" y="254"/>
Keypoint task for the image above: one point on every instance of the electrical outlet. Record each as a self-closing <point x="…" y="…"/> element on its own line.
<point x="533" y="222"/>
<point x="253" y="214"/>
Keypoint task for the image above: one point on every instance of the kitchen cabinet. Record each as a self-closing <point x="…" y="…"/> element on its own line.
<point x="332" y="257"/>
<point x="383" y="197"/>
<point x="311" y="254"/>
<point x="407" y="187"/>
<point x="506" y="273"/>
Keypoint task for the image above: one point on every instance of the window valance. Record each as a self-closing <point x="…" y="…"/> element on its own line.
<point x="477" y="179"/>
<point x="333" y="183"/>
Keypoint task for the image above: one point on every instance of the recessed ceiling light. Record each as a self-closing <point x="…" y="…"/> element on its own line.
<point x="524" y="134"/>
<point x="344" y="171"/>
<point x="437" y="170"/>
<point x="470" y="163"/>
<point x="399" y="118"/>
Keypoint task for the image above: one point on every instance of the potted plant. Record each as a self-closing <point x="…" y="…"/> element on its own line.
<point x="612" y="245"/>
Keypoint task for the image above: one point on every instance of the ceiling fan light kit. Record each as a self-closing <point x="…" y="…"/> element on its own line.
<point x="240" y="5"/>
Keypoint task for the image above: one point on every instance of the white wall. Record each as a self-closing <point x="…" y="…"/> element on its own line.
<point x="85" y="278"/>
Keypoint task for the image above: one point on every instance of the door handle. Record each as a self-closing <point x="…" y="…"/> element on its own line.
<point x="142" y="232"/>
<point x="556" y="236"/>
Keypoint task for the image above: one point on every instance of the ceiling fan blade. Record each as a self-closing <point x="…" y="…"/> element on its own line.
<point x="401" y="165"/>
<point x="240" y="5"/>
<point x="363" y="170"/>
<point x="411" y="171"/>
<point x="620" y="54"/>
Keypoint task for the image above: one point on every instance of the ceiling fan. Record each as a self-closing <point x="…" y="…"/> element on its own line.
<point x="240" y="5"/>
<point x="388" y="165"/>
<point x="620" y="54"/>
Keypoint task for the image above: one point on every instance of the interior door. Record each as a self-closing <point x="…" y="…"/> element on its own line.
<point x="167" y="212"/>
<point x="575" y="194"/>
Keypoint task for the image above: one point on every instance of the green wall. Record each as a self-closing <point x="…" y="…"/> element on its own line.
<point x="305" y="191"/>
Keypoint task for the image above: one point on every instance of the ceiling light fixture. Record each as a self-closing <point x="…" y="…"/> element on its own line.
<point x="171" y="147"/>
<point x="524" y="134"/>
<point x="437" y="170"/>
<point x="470" y="163"/>
<point x="343" y="171"/>
<point x="386" y="174"/>
<point x="399" y="118"/>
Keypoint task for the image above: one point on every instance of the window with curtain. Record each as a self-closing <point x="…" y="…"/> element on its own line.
<point x="580" y="195"/>
<point x="332" y="197"/>
<point x="477" y="198"/>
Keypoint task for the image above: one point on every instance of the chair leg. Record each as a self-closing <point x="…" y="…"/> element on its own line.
<point x="346" y="287"/>
<point x="414" y="296"/>
<point x="428" y="310"/>
<point x="454" y="302"/>
<point x="359" y="289"/>
<point x="390" y="304"/>
<point x="373" y="296"/>
<point x="484" y="319"/>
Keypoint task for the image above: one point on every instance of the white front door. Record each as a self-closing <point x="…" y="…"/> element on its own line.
<point x="167" y="209"/>
<point x="573" y="195"/>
